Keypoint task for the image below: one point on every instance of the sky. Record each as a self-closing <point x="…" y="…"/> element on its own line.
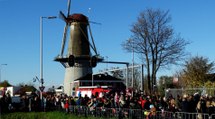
<point x="194" y="20"/>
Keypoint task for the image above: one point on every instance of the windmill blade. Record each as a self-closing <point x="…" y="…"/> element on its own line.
<point x="86" y="38"/>
<point x="37" y="78"/>
<point x="34" y="80"/>
<point x="68" y="8"/>
<point x="91" y="35"/>
<point x="62" y="16"/>
<point x="95" y="23"/>
<point x="64" y="39"/>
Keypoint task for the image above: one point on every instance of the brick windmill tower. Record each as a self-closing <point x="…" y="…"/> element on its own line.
<point x="78" y="61"/>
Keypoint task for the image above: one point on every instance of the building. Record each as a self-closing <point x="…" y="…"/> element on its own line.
<point x="97" y="84"/>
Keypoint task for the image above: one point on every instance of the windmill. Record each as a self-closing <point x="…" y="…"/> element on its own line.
<point x="78" y="61"/>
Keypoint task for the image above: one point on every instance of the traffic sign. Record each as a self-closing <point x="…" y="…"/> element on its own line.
<point x="42" y="88"/>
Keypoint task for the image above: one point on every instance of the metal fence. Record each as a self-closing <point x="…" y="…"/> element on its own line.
<point x="184" y="115"/>
<point x="124" y="113"/>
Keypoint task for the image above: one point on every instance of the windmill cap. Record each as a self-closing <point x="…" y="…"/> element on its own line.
<point x="78" y="18"/>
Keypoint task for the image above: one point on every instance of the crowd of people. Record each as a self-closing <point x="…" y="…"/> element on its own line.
<point x="184" y="103"/>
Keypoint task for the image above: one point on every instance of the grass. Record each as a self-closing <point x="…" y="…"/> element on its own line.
<point x="43" y="115"/>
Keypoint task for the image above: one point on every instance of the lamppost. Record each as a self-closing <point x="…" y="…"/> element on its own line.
<point x="41" y="46"/>
<point x="0" y="70"/>
<point x="41" y="52"/>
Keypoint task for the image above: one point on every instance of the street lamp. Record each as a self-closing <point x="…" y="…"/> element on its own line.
<point x="41" y="46"/>
<point x="41" y="53"/>
<point x="0" y="70"/>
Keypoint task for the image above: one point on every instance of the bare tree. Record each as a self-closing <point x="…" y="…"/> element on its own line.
<point x="155" y="41"/>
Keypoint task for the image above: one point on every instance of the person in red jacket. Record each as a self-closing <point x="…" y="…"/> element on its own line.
<point x="66" y="105"/>
<point x="142" y="101"/>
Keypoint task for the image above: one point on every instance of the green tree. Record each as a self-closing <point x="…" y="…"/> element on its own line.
<point x="5" y="84"/>
<point x="197" y="71"/>
<point x="154" y="40"/>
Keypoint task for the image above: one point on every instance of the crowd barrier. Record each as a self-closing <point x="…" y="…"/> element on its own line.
<point x="124" y="113"/>
<point x="183" y="115"/>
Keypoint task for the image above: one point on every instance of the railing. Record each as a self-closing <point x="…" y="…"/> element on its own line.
<point x="185" y="115"/>
<point x="124" y="113"/>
